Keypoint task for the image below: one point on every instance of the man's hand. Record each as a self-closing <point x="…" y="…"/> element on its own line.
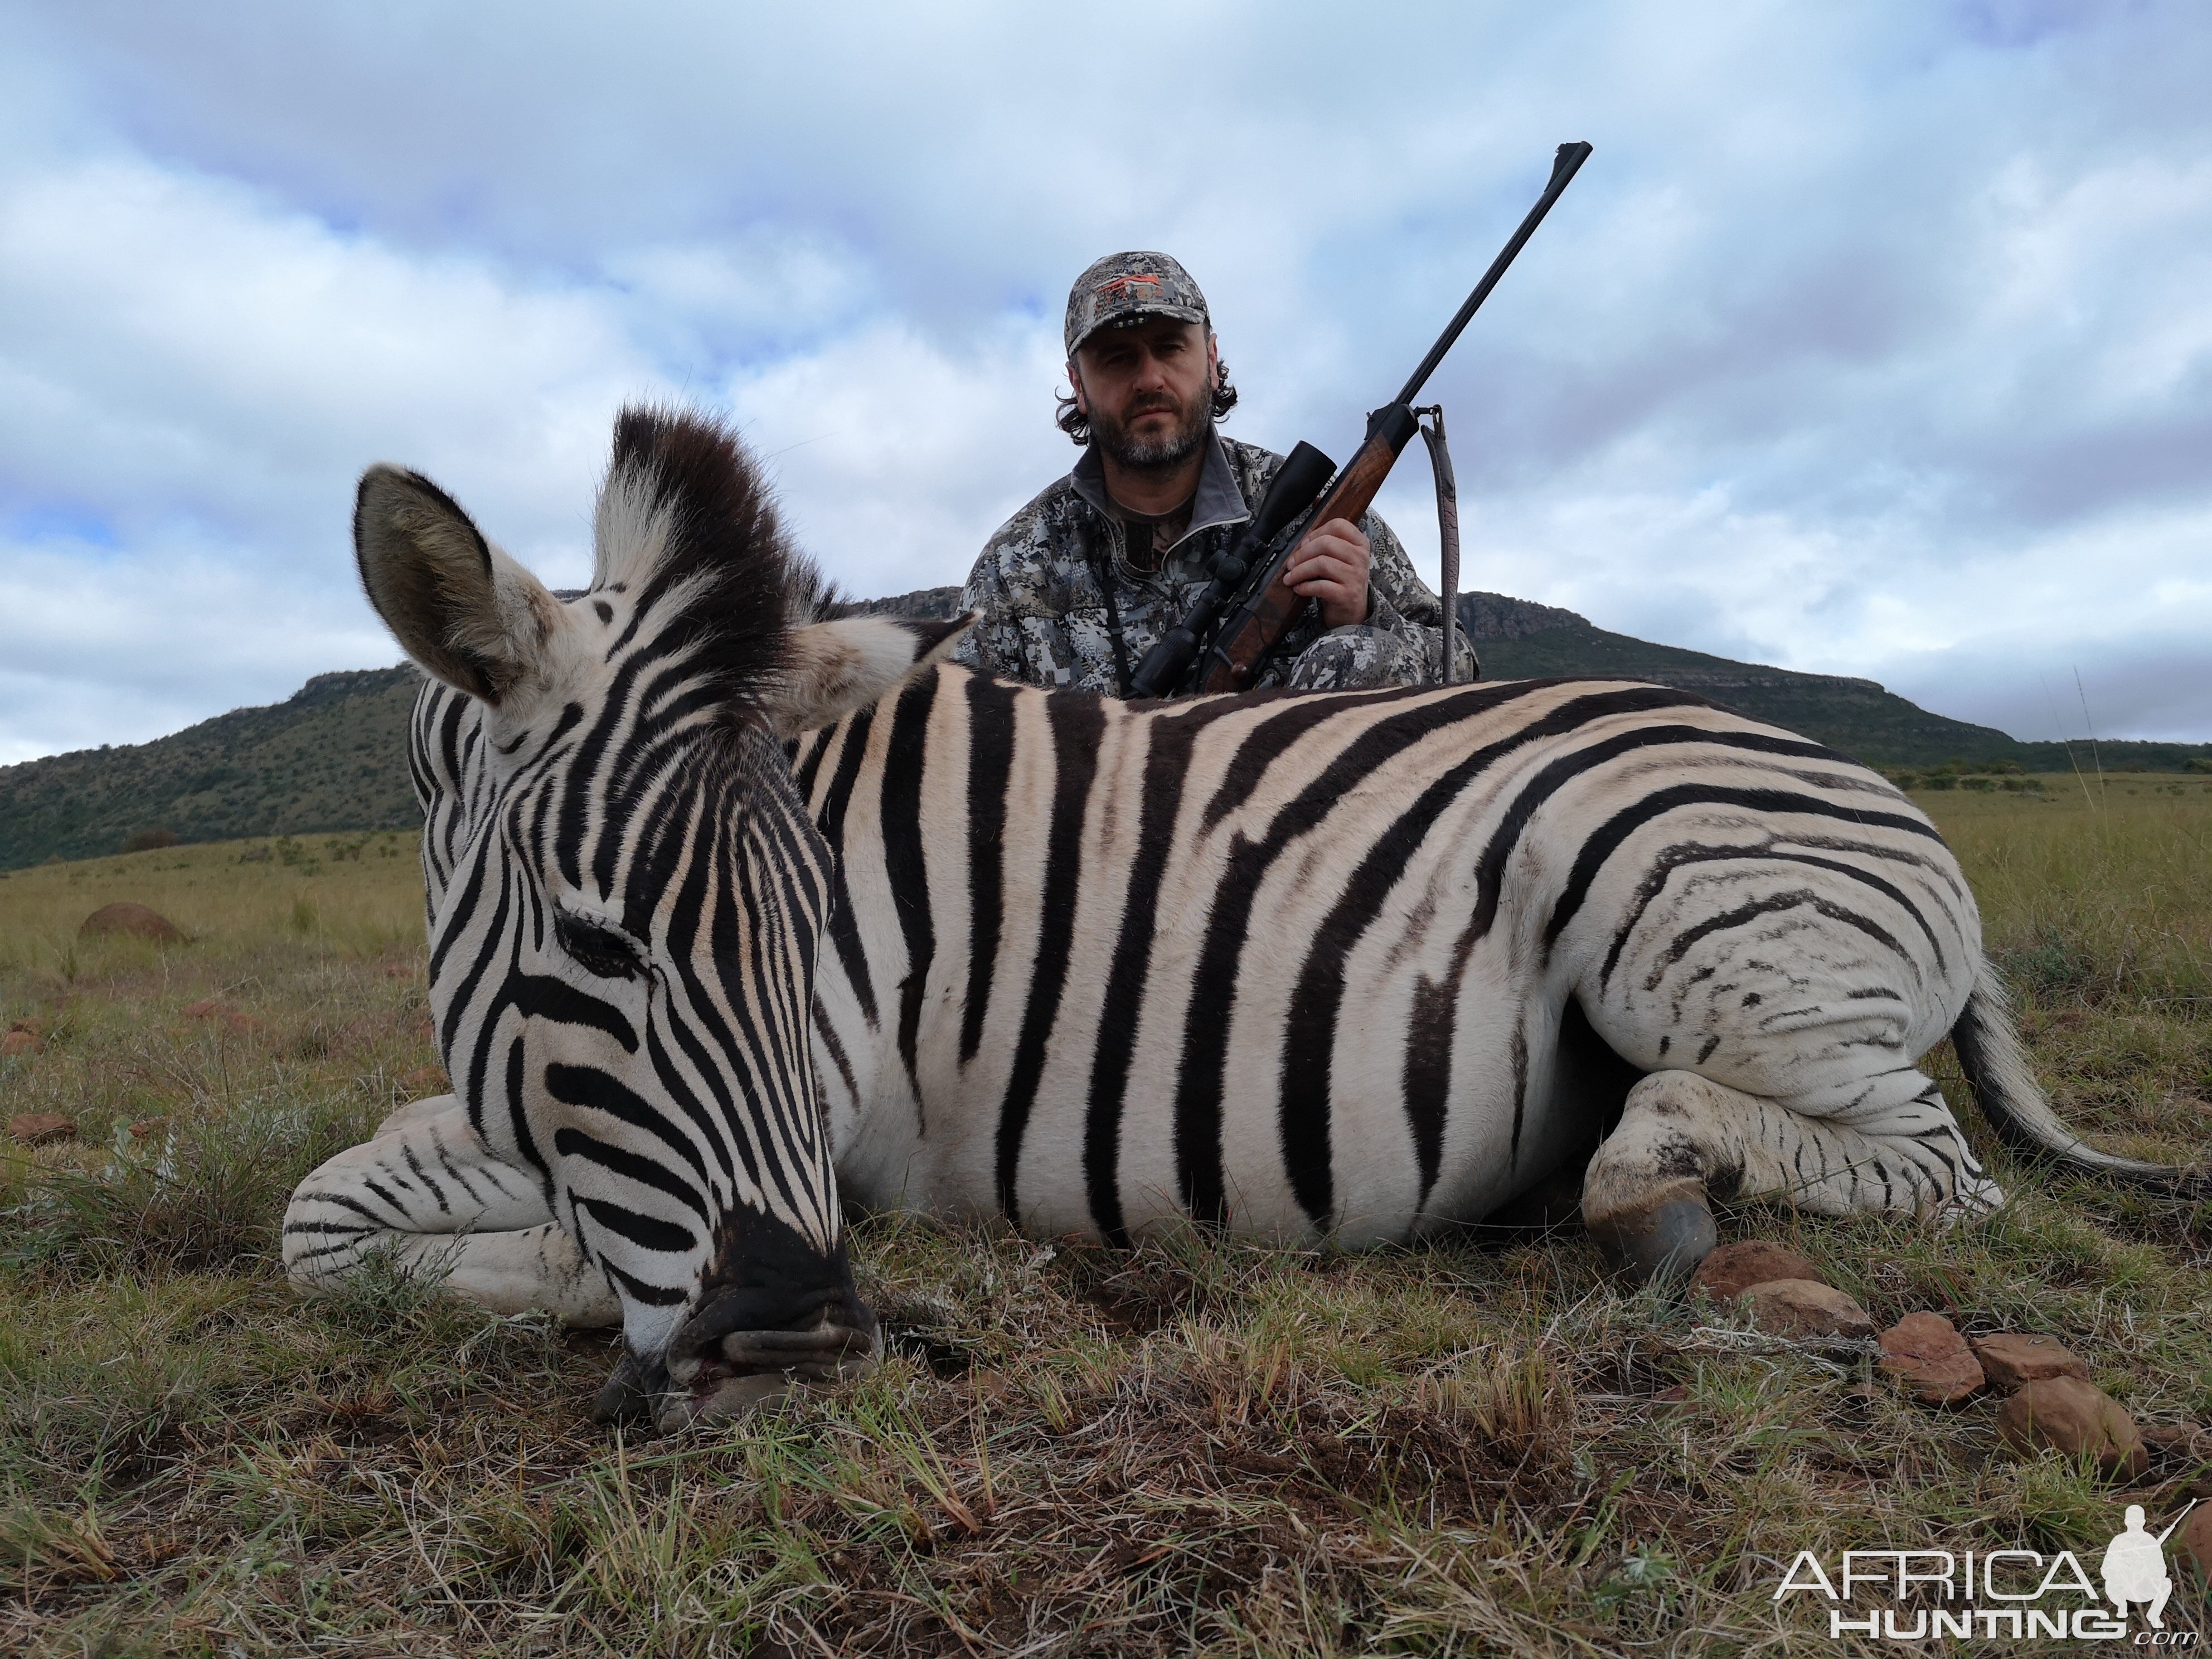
<point x="1331" y="566"/>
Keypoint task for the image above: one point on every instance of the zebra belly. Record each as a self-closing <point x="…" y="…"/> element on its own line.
<point x="1508" y="1125"/>
<point x="1414" y="1132"/>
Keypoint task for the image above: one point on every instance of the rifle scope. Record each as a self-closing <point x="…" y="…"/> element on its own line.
<point x="1300" y="477"/>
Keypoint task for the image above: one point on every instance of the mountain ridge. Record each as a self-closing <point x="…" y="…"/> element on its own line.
<point x="332" y="756"/>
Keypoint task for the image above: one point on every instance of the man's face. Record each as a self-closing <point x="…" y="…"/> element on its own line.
<point x="1148" y="389"/>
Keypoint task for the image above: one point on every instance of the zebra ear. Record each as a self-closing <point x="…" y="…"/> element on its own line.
<point x="460" y="607"/>
<point x="836" y="667"/>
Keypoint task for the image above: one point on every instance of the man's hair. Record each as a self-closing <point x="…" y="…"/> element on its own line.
<point x="1070" y="419"/>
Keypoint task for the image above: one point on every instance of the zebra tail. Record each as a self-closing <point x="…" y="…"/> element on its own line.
<point x="1991" y="1055"/>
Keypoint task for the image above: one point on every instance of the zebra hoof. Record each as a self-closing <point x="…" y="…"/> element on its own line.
<point x="1660" y="1244"/>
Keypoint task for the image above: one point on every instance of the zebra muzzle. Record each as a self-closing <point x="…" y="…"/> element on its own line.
<point x="723" y="1363"/>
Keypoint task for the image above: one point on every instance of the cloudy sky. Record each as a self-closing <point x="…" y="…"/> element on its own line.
<point x="1875" y="339"/>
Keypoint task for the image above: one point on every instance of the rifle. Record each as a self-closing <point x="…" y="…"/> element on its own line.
<point x="1225" y="639"/>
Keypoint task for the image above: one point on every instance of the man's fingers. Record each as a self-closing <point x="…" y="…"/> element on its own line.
<point x="1325" y="568"/>
<point x="1331" y="567"/>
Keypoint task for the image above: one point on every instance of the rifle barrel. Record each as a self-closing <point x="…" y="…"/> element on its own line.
<point x="1564" y="166"/>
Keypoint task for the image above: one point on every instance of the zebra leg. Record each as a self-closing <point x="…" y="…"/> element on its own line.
<point x="1891" y="1144"/>
<point x="428" y="1189"/>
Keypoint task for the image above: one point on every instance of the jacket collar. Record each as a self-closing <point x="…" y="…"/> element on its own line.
<point x="1218" y="500"/>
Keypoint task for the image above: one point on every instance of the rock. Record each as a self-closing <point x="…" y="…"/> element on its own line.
<point x="2012" y="1357"/>
<point x="1804" y="1307"/>
<point x="2182" y="1443"/>
<point x="2194" y="1540"/>
<point x="35" y="1128"/>
<point x="151" y="1126"/>
<point x="1925" y="1352"/>
<point x="135" y="920"/>
<point x="2075" y="1418"/>
<point x="21" y="1043"/>
<point x="1732" y="1269"/>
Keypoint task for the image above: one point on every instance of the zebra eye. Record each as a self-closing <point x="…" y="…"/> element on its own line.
<point x="596" y="949"/>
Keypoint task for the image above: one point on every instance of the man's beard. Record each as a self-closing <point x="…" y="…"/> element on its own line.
<point x="1169" y="449"/>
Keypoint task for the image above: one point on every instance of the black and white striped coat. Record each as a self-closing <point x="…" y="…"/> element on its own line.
<point x="1304" y="965"/>
<point x="1347" y="967"/>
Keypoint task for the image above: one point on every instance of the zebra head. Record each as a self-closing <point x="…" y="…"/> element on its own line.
<point x="623" y="939"/>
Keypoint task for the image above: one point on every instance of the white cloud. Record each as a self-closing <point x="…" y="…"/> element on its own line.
<point x="894" y="454"/>
<point x="1876" y="340"/>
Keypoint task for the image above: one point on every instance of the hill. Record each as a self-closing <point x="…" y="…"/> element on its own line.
<point x="1855" y="715"/>
<point x="333" y="755"/>
<point x="1519" y="639"/>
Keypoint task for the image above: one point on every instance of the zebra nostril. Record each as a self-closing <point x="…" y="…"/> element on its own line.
<point x="826" y="1353"/>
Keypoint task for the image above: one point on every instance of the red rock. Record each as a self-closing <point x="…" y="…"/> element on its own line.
<point x="2194" y="1540"/>
<point x="1804" y="1307"/>
<point x="1925" y="1352"/>
<point x="35" y="1129"/>
<point x="152" y="1125"/>
<point x="21" y="1043"/>
<point x="135" y="920"/>
<point x="2076" y="1418"/>
<point x="1732" y="1269"/>
<point x="2184" y="1443"/>
<point x="2012" y="1357"/>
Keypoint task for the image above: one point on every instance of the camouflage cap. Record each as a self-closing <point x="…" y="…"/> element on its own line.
<point x="1123" y="287"/>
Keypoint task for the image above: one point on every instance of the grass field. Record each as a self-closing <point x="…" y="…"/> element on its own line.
<point x="1190" y="1449"/>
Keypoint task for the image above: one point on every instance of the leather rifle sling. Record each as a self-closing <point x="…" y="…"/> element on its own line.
<point x="1432" y="432"/>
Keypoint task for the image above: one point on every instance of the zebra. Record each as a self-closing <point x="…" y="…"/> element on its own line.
<point x="742" y="909"/>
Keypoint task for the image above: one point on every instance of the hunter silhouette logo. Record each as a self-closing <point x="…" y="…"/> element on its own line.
<point x="2016" y="1593"/>
<point x="2134" y="1567"/>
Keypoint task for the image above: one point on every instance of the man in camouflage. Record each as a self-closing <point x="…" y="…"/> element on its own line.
<point x="1076" y="587"/>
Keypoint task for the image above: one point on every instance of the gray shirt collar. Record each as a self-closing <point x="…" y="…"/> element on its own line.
<point x="1218" y="502"/>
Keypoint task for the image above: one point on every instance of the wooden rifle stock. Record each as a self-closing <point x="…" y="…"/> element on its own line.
<point x="1269" y="610"/>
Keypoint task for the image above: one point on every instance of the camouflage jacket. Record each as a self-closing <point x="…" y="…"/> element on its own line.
<point x="1044" y="614"/>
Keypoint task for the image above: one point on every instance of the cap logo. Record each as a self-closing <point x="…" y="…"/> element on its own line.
<point x="1119" y="286"/>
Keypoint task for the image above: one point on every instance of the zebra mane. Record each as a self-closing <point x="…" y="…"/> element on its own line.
<point x="686" y="530"/>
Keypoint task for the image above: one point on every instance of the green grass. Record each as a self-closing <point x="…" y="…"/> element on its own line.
<point x="1192" y="1448"/>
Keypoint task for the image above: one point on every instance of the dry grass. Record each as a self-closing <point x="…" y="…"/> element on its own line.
<point x="1194" y="1448"/>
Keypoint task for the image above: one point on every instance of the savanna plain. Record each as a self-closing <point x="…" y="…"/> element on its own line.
<point x="1479" y="1446"/>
